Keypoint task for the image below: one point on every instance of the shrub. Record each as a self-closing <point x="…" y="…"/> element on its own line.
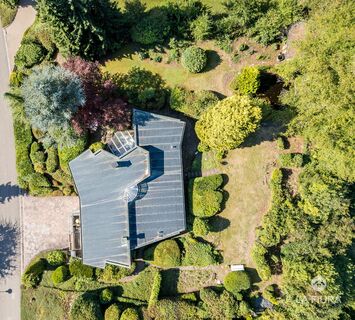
<point x="68" y="153"/>
<point x="154" y="294"/>
<point x="113" y="312"/>
<point x="62" y="177"/>
<point x="237" y="281"/>
<point x="191" y="296"/>
<point x="227" y="124"/>
<point x="200" y="227"/>
<point x="130" y="314"/>
<point x="80" y="270"/>
<point x="201" y="27"/>
<point x="262" y="267"/>
<point x="56" y="258"/>
<point x="194" y="59"/>
<point x="212" y="182"/>
<point x="52" y="161"/>
<point x="281" y="143"/>
<point x="37" y="157"/>
<point x="38" y="180"/>
<point x="174" y="310"/>
<point x="291" y="159"/>
<point x="247" y="82"/>
<point x="153" y="28"/>
<point x="192" y="103"/>
<point x="198" y="253"/>
<point x="96" y="146"/>
<point x="86" y="307"/>
<point x="16" y="78"/>
<point x="106" y="296"/>
<point x="29" y="54"/>
<point x="167" y="254"/>
<point x="270" y="295"/>
<point x="60" y="274"/>
<point x="243" y="47"/>
<point x="113" y="274"/>
<point x="33" y="272"/>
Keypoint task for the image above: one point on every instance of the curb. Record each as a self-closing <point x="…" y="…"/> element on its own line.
<point x="21" y="233"/>
<point x="7" y="50"/>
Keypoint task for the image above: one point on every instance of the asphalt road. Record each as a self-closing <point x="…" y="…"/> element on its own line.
<point x="9" y="203"/>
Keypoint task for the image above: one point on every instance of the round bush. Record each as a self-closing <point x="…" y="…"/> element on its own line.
<point x="56" y="258"/>
<point x="247" y="82"/>
<point x="86" y="307"/>
<point x="113" y="312"/>
<point x="167" y="254"/>
<point x="129" y="314"/>
<point x="200" y="227"/>
<point x="60" y="274"/>
<point x="194" y="59"/>
<point x="106" y="296"/>
<point x="237" y="281"/>
<point x="29" y="54"/>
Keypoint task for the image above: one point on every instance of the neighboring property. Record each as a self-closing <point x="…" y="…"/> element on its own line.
<point x="133" y="195"/>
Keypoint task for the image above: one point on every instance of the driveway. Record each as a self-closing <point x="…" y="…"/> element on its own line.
<point x="9" y="191"/>
<point x="46" y="224"/>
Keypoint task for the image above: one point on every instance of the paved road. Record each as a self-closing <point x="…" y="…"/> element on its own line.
<point x="9" y="202"/>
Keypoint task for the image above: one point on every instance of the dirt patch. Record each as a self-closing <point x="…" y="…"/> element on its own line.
<point x="295" y="34"/>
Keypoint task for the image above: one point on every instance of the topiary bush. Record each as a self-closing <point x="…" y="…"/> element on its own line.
<point x="194" y="59"/>
<point x="247" y="82"/>
<point x="167" y="254"/>
<point x="154" y="294"/>
<point x="29" y="54"/>
<point x="80" y="270"/>
<point x="130" y="314"/>
<point x="113" y="312"/>
<point x="281" y="143"/>
<point x="192" y="103"/>
<point x="60" y="274"/>
<point x="198" y="253"/>
<point x="52" y="161"/>
<point x="33" y="272"/>
<point x="86" y="307"/>
<point x="200" y="227"/>
<point x="106" y="296"/>
<point x="56" y="258"/>
<point x="237" y="281"/>
<point x="37" y="157"/>
<point x="62" y="177"/>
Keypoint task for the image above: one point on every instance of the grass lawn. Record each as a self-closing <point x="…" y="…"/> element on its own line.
<point x="45" y="303"/>
<point x="248" y="169"/>
<point x="7" y="14"/>
<point x="215" y="5"/>
<point x="217" y="75"/>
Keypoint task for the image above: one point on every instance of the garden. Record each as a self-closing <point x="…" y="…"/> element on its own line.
<point x="270" y="175"/>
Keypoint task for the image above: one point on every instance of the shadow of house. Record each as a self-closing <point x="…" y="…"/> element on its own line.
<point x="9" y="240"/>
<point x="8" y="191"/>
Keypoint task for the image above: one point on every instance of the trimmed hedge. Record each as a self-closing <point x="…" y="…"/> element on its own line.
<point x="113" y="274"/>
<point x="281" y="144"/>
<point x="52" y="161"/>
<point x="37" y="157"/>
<point x="237" y="281"/>
<point x="80" y="270"/>
<point x="291" y="160"/>
<point x="60" y="274"/>
<point x="86" y="307"/>
<point x="262" y="267"/>
<point x="113" y="312"/>
<point x="174" y="310"/>
<point x="200" y="227"/>
<point x="33" y="273"/>
<point x="154" y="294"/>
<point x="130" y="314"/>
<point x="56" y="258"/>
<point x="167" y="254"/>
<point x="194" y="59"/>
<point x="248" y="81"/>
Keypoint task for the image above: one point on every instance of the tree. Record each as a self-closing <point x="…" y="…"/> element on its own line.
<point x="51" y="96"/>
<point x="167" y="254"/>
<point x="86" y="28"/>
<point x="103" y="108"/>
<point x="237" y="281"/>
<point x="201" y="27"/>
<point x="226" y="125"/>
<point x="248" y="81"/>
<point x="194" y="59"/>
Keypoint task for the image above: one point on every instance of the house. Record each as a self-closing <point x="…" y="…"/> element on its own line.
<point x="134" y="195"/>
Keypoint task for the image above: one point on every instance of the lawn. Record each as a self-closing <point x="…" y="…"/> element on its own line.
<point x="46" y="303"/>
<point x="216" y="76"/>
<point x="248" y="196"/>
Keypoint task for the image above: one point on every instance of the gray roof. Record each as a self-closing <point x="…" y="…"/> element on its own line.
<point x="131" y="200"/>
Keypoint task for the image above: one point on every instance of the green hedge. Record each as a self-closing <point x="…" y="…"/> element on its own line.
<point x="113" y="312"/>
<point x="29" y="54"/>
<point x="52" y="161"/>
<point x="37" y="157"/>
<point x="167" y="254"/>
<point x="248" y="81"/>
<point x="62" y="177"/>
<point x="262" y="267"/>
<point x="33" y="273"/>
<point x="130" y="314"/>
<point x="194" y="59"/>
<point x="106" y="296"/>
<point x="154" y="294"/>
<point x="60" y="274"/>
<point x="291" y="160"/>
<point x="80" y="270"/>
<point x="174" y="310"/>
<point x="113" y="274"/>
<point x="56" y="258"/>
<point x="200" y="227"/>
<point x="66" y="154"/>
<point x="237" y="281"/>
<point x="86" y="307"/>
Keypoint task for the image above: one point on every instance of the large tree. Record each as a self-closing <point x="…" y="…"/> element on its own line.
<point x="51" y="97"/>
<point x="226" y="125"/>
<point x="104" y="108"/>
<point x="87" y="28"/>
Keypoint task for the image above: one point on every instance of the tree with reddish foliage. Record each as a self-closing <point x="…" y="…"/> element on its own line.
<point x="103" y="108"/>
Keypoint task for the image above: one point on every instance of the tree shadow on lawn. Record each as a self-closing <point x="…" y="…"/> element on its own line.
<point x="253" y="274"/>
<point x="213" y="60"/>
<point x="218" y="223"/>
<point x="170" y="279"/>
<point x="9" y="237"/>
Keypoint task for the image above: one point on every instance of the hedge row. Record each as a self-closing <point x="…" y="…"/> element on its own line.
<point x="154" y="294"/>
<point x="291" y="160"/>
<point x="262" y="267"/>
<point x="33" y="273"/>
